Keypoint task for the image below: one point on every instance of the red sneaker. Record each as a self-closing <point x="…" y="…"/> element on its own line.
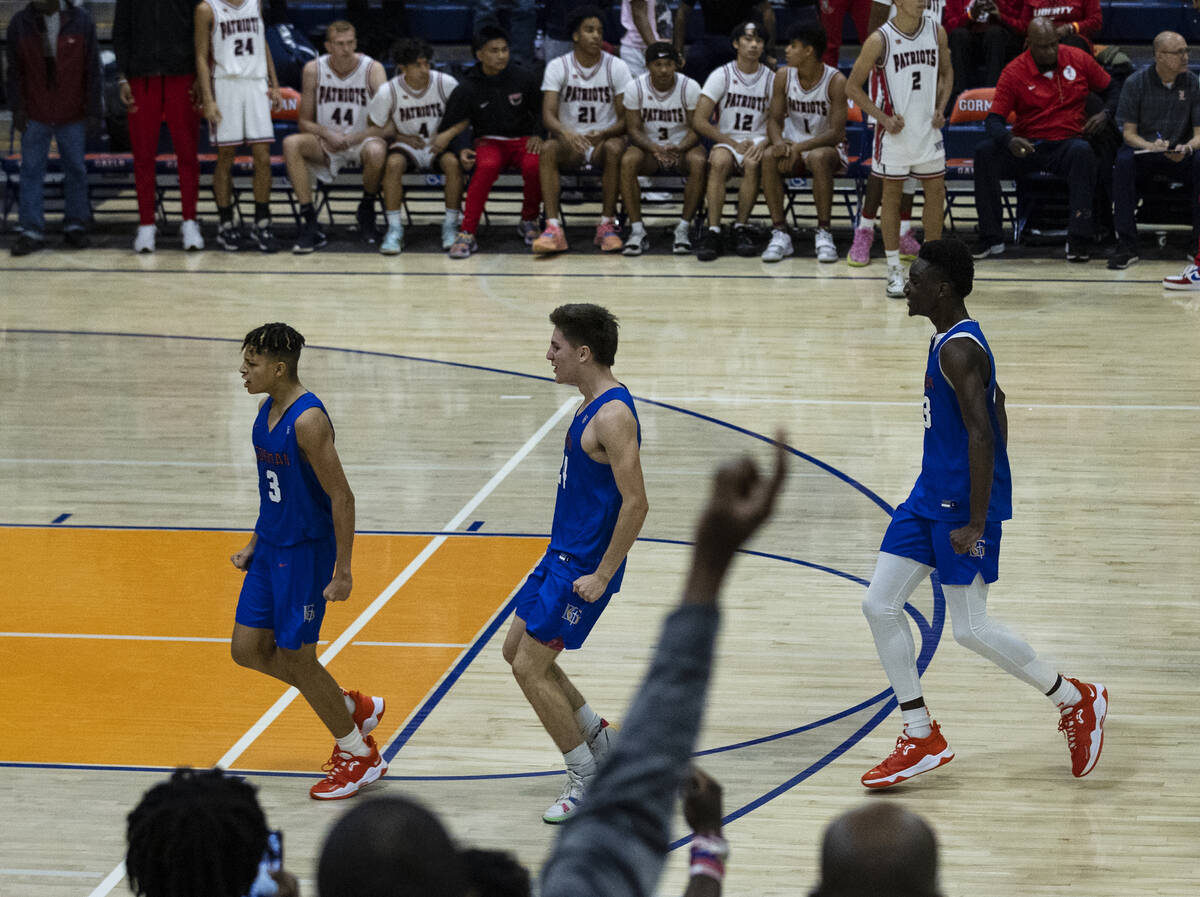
<point x="1083" y="725"/>
<point x="911" y="757"/>
<point x="346" y="773"/>
<point x="368" y="711"/>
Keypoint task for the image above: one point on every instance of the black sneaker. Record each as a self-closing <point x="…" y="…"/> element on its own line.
<point x="710" y="246"/>
<point x="77" y="238"/>
<point x="1076" y="252"/>
<point x="310" y="237"/>
<point x="228" y="238"/>
<point x="264" y="237"/>
<point x="366" y="221"/>
<point x="745" y="243"/>
<point x="985" y="248"/>
<point x="26" y="244"/>
<point x="1121" y="259"/>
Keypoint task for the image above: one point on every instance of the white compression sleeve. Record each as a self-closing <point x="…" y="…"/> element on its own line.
<point x="895" y="578"/>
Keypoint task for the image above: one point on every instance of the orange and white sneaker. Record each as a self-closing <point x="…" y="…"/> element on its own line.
<point x="911" y="757"/>
<point x="552" y="240"/>
<point x="1083" y="725"/>
<point x="346" y="773"/>
<point x="368" y="711"/>
<point x="607" y="237"/>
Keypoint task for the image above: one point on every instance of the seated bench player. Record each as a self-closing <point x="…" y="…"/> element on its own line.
<point x="335" y="90"/>
<point x="739" y="93"/>
<point x="584" y="117"/>
<point x="658" y="116"/>
<point x="410" y="107"/>
<point x="807" y="130"/>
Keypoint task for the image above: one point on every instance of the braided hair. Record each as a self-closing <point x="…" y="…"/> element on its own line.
<point x="277" y="341"/>
<point x="201" y="833"/>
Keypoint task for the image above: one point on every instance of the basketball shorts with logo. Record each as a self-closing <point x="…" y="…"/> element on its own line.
<point x="245" y="112"/>
<point x="335" y="162"/>
<point x="739" y="158"/>
<point x="553" y="613"/>
<point x="919" y="153"/>
<point x="284" y="590"/>
<point x="928" y="542"/>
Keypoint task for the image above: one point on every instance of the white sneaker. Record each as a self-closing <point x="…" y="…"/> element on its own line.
<point x="1188" y="280"/>
<point x="191" y="236"/>
<point x="636" y="244"/>
<point x="568" y="802"/>
<point x="826" y="251"/>
<point x="144" y="241"/>
<point x="779" y="248"/>
<point x="895" y="283"/>
<point x="683" y="239"/>
<point x="604" y="742"/>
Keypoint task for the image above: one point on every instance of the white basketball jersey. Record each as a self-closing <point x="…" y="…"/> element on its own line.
<point x="905" y="83"/>
<point x="664" y="115"/>
<point x="742" y="101"/>
<point x="239" y="40"/>
<point x="416" y="113"/>
<point x="587" y="97"/>
<point x="342" y="102"/>
<point x="807" y="110"/>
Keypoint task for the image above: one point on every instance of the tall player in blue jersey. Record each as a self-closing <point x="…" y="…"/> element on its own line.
<point x="598" y="513"/>
<point x="299" y="556"/>
<point x="951" y="523"/>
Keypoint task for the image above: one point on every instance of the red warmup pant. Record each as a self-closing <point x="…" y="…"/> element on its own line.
<point x="157" y="98"/>
<point x="833" y="14"/>
<point x="491" y="157"/>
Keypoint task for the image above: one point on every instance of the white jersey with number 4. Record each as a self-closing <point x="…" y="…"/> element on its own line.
<point x="664" y="115"/>
<point x="414" y="112"/>
<point x="342" y="101"/>
<point x="586" y="96"/>
<point x="239" y="41"/>
<point x="742" y="101"/>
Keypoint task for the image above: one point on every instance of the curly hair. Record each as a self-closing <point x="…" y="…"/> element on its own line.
<point x="277" y="341"/>
<point x="953" y="262"/>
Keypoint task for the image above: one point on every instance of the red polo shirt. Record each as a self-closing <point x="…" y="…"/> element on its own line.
<point x="1048" y="106"/>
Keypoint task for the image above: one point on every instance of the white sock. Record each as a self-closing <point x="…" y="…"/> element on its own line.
<point x="453" y="215"/>
<point x="905" y="226"/>
<point x="682" y="222"/>
<point x="580" y="761"/>
<point x="640" y="229"/>
<point x="868" y="223"/>
<point x="589" y="722"/>
<point x="893" y="257"/>
<point x="917" y="722"/>
<point x="553" y="222"/>
<point x="354" y="743"/>
<point x="395" y="219"/>
<point x="1066" y="695"/>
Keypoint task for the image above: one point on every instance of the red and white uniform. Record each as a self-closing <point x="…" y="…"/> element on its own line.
<point x="341" y="105"/>
<point x="664" y="115"/>
<point x="904" y="82"/>
<point x="742" y="102"/>
<point x="808" y="110"/>
<point x="239" y="57"/>
<point x="586" y="96"/>
<point x="415" y="113"/>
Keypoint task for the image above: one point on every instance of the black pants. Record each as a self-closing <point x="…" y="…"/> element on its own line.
<point x="1072" y="159"/>
<point x="1130" y="170"/>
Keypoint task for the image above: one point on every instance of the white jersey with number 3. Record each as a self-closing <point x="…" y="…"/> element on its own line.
<point x="342" y="101"/>
<point x="586" y="97"/>
<point x="664" y="115"/>
<point x="239" y="40"/>
<point x="742" y="101"/>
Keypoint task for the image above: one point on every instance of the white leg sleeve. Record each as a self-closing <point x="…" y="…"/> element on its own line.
<point x="894" y="580"/>
<point x="974" y="629"/>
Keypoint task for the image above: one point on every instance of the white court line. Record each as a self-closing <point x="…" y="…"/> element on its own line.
<point x="373" y="608"/>
<point x="741" y="400"/>
<point x="222" y="641"/>
<point x="231" y="465"/>
<point x="45" y="873"/>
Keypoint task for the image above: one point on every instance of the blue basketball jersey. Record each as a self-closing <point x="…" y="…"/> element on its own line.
<point x="292" y="505"/>
<point x="588" y="501"/>
<point x="943" y="490"/>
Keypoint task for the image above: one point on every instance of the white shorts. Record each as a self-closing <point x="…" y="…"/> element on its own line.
<point x="245" y="112"/>
<point x="335" y="162"/>
<point x="421" y="159"/>
<point x="802" y="168"/>
<point x="919" y="154"/>
<point x="739" y="157"/>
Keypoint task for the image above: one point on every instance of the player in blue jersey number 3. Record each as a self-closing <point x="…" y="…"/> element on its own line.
<point x="299" y="556"/>
<point x="598" y="513"/>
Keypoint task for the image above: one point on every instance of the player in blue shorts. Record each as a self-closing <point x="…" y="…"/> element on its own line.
<point x="951" y="523"/>
<point x="598" y="513"/>
<point x="299" y="556"/>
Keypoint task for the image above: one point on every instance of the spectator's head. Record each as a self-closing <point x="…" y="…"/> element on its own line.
<point x="747" y="41"/>
<point x="493" y="873"/>
<point x="1042" y="39"/>
<point x="662" y="61"/>
<point x="583" y="324"/>
<point x="267" y="347"/>
<point x="805" y="42"/>
<point x="1170" y="55"/>
<point x="201" y="833"/>
<point x="413" y="56"/>
<point x="341" y="42"/>
<point x="389" y="847"/>
<point x="878" y="850"/>
<point x="586" y="27"/>
<point x="490" y="46"/>
<point x="941" y="277"/>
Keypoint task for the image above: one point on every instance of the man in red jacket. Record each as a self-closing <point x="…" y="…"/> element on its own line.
<point x="1077" y="22"/>
<point x="1046" y="88"/>
<point x="54" y="85"/>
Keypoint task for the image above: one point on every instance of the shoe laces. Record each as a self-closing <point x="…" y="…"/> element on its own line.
<point x="1069" y="725"/>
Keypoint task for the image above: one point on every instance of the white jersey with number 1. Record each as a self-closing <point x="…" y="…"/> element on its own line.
<point x="239" y="43"/>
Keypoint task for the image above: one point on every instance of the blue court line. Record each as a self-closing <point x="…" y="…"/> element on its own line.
<point x="535" y="275"/>
<point x="475" y="526"/>
<point x="60" y="518"/>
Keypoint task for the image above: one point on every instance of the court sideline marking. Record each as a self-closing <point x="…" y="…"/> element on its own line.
<point x="118" y="874"/>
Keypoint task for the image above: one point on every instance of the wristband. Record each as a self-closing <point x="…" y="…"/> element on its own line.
<point x="708" y="856"/>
